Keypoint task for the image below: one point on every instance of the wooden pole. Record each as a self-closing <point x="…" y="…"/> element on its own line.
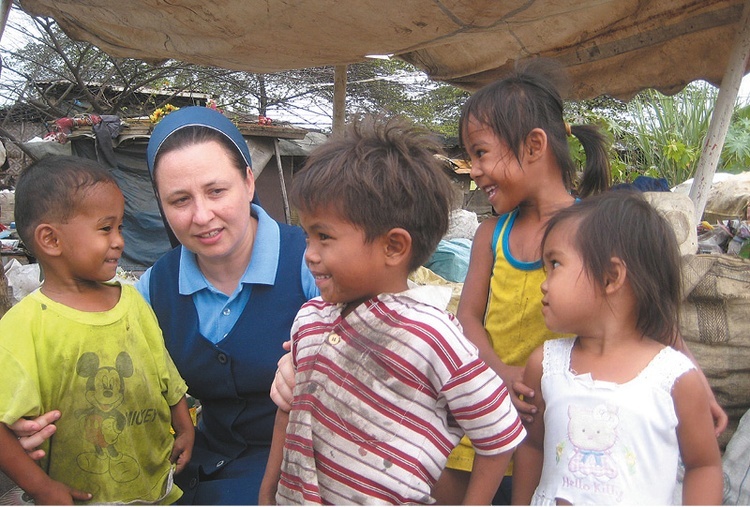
<point x="722" y="115"/>
<point x="339" y="98"/>
<point x="282" y="183"/>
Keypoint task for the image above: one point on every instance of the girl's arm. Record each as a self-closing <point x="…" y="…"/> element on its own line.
<point x="472" y="307"/>
<point x="703" y="482"/>
<point x="184" y="433"/>
<point x="720" y="417"/>
<point x="529" y="456"/>
<point x="270" y="482"/>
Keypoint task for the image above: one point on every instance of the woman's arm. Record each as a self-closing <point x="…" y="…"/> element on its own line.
<point x="703" y="482"/>
<point x="282" y="388"/>
<point x="31" y="433"/>
<point x="529" y="456"/>
<point x="471" y="310"/>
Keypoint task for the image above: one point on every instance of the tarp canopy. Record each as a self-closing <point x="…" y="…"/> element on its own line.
<point x="614" y="47"/>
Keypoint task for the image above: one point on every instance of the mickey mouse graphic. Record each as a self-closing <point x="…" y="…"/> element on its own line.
<point x="103" y="423"/>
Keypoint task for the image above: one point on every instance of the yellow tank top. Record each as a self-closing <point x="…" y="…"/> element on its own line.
<point x="514" y="319"/>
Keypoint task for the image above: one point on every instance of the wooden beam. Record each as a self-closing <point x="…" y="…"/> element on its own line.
<point x="339" y="98"/>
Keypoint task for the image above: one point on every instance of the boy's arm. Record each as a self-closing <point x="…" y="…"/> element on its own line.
<point x="184" y="435"/>
<point x="22" y="470"/>
<point x="529" y="456"/>
<point x="486" y="475"/>
<point x="703" y="482"/>
<point x="720" y="417"/>
<point x="270" y="482"/>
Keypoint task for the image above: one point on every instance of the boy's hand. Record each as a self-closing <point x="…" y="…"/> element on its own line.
<point x="182" y="450"/>
<point x="57" y="493"/>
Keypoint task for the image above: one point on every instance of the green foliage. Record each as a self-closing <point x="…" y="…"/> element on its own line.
<point x="668" y="132"/>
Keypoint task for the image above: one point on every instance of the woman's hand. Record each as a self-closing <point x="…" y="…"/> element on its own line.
<point x="32" y="433"/>
<point x="282" y="388"/>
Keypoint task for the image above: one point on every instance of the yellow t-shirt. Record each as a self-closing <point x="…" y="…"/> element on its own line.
<point x="513" y="318"/>
<point x="113" y="381"/>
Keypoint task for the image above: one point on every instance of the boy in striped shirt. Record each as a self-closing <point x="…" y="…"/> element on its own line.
<point x="386" y="384"/>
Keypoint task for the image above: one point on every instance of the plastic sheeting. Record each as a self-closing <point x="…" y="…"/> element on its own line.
<point x="617" y="47"/>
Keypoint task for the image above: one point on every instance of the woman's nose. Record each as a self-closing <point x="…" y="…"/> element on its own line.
<point x="202" y="212"/>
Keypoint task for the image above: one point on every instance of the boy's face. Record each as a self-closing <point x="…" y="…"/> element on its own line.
<point x="346" y="268"/>
<point x="91" y="240"/>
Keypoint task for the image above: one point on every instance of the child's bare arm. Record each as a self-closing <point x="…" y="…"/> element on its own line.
<point x="270" y="482"/>
<point x="17" y="465"/>
<point x="703" y="482"/>
<point x="486" y="475"/>
<point x="471" y="310"/>
<point x="529" y="456"/>
<point x="720" y="417"/>
<point x="184" y="432"/>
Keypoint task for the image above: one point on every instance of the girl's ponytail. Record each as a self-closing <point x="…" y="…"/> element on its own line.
<point x="596" y="175"/>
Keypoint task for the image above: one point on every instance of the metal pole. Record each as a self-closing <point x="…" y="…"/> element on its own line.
<point x="722" y="115"/>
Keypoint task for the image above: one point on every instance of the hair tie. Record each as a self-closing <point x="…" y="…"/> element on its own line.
<point x="567" y="128"/>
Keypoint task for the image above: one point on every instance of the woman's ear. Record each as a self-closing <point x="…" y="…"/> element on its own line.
<point x="615" y="276"/>
<point x="250" y="182"/>
<point x="47" y="240"/>
<point x="397" y="244"/>
<point x="536" y="144"/>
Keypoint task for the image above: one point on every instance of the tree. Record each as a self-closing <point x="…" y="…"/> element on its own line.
<point x="58" y="77"/>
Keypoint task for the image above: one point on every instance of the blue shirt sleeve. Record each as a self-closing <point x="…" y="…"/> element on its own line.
<point x="142" y="285"/>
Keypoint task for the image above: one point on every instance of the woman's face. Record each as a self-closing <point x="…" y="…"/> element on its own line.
<point x="206" y="201"/>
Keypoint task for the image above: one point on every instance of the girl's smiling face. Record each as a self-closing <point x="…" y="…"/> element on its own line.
<point x="494" y="167"/>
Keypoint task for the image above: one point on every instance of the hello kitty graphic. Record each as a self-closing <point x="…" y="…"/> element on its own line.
<point x="593" y="433"/>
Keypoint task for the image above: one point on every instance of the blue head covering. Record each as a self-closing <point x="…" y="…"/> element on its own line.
<point x="194" y="116"/>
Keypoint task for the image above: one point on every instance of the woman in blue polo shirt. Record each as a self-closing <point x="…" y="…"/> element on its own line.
<point x="225" y="298"/>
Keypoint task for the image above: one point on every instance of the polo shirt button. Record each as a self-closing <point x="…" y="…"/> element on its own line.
<point x="219" y="463"/>
<point x="222" y="358"/>
<point x="226" y="311"/>
<point x="193" y="483"/>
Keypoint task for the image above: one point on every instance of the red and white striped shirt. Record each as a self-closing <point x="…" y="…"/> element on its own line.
<point x="382" y="397"/>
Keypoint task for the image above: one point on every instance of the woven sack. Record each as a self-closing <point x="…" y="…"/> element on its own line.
<point x="715" y="323"/>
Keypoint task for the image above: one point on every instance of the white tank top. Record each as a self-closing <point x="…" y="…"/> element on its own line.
<point x="608" y="443"/>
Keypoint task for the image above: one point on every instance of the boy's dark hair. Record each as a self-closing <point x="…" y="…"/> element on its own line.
<point x="380" y="174"/>
<point x="623" y="224"/>
<point x="527" y="99"/>
<point x="50" y="190"/>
